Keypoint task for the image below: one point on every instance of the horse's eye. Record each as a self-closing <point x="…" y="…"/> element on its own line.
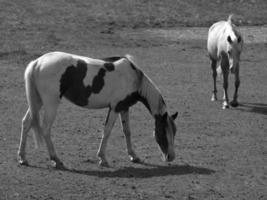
<point x="229" y="39"/>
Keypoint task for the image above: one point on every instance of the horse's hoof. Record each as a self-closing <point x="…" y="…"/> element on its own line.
<point x="23" y="162"/>
<point x="136" y="160"/>
<point x="213" y="98"/>
<point x="57" y="164"/>
<point x="225" y="105"/>
<point x="103" y="163"/>
<point x="234" y="103"/>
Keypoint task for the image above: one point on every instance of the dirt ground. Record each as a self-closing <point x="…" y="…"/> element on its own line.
<point x="220" y="154"/>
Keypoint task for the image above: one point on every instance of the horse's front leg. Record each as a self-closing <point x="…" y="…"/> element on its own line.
<point x="234" y="103"/>
<point x="124" y="115"/>
<point x="110" y="121"/>
<point x="225" y="88"/>
<point x="225" y="70"/>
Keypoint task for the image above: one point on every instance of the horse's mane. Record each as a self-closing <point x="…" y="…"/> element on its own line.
<point x="149" y="91"/>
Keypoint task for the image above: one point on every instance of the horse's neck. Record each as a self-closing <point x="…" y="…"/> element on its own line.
<point x="152" y="97"/>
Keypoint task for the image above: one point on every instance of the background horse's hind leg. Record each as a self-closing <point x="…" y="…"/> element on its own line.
<point x="214" y="76"/>
<point x="126" y="130"/>
<point x="49" y="117"/>
<point x="110" y="121"/>
<point x="25" y="127"/>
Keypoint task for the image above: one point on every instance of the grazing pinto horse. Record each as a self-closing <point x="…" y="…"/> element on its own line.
<point x="115" y="83"/>
<point x="225" y="45"/>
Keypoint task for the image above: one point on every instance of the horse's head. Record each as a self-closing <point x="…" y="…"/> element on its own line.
<point x="165" y="130"/>
<point x="234" y="44"/>
<point x="234" y="48"/>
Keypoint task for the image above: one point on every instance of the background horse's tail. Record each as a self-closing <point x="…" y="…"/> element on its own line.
<point x="34" y="103"/>
<point x="230" y="18"/>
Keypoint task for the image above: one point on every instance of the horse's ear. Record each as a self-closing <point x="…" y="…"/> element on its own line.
<point x="174" y="116"/>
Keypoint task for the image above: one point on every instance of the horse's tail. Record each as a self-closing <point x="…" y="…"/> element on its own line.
<point x="34" y="103"/>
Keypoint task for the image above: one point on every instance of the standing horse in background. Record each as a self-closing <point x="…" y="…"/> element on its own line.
<point x="225" y="45"/>
<point x="115" y="83"/>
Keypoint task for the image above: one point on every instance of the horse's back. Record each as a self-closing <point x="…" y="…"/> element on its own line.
<point x="84" y="81"/>
<point x="58" y="60"/>
<point x="214" y="36"/>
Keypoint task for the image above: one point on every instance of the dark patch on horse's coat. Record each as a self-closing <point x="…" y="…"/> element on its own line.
<point x="116" y="58"/>
<point x="98" y="81"/>
<point x="73" y="88"/>
<point x="134" y="97"/>
<point x="109" y="66"/>
<point x="71" y="84"/>
<point x="160" y="131"/>
<point x="130" y="100"/>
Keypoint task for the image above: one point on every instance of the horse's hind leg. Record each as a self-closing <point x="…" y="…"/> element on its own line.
<point x="29" y="122"/>
<point x="214" y="76"/>
<point x="49" y="117"/>
<point x="25" y="127"/>
<point x="124" y="115"/>
<point x="110" y="121"/>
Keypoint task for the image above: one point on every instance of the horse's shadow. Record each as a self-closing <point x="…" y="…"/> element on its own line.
<point x="149" y="170"/>
<point x="259" y="108"/>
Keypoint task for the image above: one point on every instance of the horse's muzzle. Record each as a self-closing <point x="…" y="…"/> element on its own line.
<point x="169" y="157"/>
